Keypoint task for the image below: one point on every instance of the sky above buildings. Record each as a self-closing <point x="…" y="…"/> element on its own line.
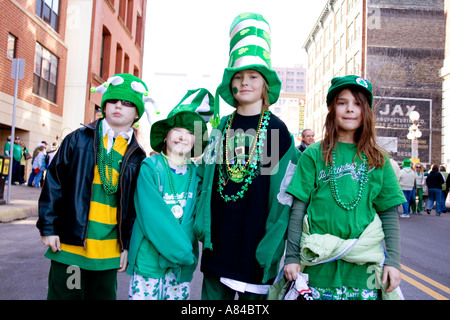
<point x="191" y="38"/>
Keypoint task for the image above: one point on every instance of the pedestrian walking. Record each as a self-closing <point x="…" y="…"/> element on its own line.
<point x="38" y="166"/>
<point x="86" y="208"/>
<point x="407" y="179"/>
<point x="307" y="139"/>
<point x="30" y="182"/>
<point x="434" y="183"/>
<point x="242" y="212"/>
<point x="23" y="161"/>
<point x="17" y="156"/>
<point x="444" y="193"/>
<point x="420" y="182"/>
<point x="163" y="249"/>
<point x="345" y="193"/>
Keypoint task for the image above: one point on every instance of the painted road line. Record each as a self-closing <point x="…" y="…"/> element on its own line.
<point x="422" y="287"/>
<point x="426" y="279"/>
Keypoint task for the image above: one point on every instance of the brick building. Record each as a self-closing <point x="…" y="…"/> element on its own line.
<point x="445" y="76"/>
<point x="68" y="47"/>
<point x="33" y="30"/>
<point x="399" y="47"/>
<point x="104" y="37"/>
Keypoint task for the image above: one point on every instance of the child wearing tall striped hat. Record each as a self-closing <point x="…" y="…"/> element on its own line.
<point x="242" y="213"/>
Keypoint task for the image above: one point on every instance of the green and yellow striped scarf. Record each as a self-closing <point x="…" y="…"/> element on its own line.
<point x="101" y="250"/>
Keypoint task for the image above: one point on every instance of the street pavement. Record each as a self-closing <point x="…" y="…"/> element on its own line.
<point x="24" y="269"/>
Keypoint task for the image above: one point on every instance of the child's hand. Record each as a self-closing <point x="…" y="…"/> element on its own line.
<point x="393" y="275"/>
<point x="123" y="261"/>
<point x="291" y="271"/>
<point x="51" y="241"/>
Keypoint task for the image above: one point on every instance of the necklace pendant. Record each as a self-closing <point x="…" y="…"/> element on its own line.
<point x="237" y="177"/>
<point x="177" y="211"/>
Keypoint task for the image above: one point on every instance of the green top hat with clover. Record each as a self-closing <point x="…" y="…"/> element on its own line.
<point x="250" y="47"/>
<point x="191" y="113"/>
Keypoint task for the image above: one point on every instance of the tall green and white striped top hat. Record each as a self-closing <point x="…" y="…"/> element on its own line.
<point x="250" y="48"/>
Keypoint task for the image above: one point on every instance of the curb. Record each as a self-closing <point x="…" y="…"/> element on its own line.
<point x="18" y="209"/>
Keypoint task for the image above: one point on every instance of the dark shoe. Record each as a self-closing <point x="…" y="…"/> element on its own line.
<point x="428" y="211"/>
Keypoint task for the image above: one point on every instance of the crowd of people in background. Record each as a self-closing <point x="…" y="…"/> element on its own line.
<point x="424" y="188"/>
<point x="40" y="159"/>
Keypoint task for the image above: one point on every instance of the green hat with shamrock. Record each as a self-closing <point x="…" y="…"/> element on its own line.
<point x="124" y="86"/>
<point x="191" y="113"/>
<point x="348" y="82"/>
<point x="250" y="47"/>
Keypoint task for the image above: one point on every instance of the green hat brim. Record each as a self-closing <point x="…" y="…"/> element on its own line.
<point x="270" y="75"/>
<point x="348" y="82"/>
<point x="183" y="119"/>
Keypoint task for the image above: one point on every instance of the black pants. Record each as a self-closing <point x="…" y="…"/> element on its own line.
<point x="72" y="283"/>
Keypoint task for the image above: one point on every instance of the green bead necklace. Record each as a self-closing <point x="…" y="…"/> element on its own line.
<point x="363" y="179"/>
<point x="252" y="167"/>
<point x="104" y="160"/>
<point x="177" y="210"/>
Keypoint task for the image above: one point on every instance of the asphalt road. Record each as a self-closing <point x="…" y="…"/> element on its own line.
<point x="425" y="257"/>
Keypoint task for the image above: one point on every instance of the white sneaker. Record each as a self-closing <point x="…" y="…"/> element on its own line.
<point x="404" y="216"/>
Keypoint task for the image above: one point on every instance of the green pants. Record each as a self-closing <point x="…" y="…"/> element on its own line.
<point x="213" y="289"/>
<point x="72" y="283"/>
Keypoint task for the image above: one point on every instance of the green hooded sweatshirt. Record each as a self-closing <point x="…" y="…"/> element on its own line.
<point x="165" y="242"/>
<point x="271" y="248"/>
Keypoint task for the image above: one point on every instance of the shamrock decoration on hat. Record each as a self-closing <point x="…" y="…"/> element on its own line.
<point x="191" y="113"/>
<point x="348" y="82"/>
<point x="124" y="86"/>
<point x="250" y="47"/>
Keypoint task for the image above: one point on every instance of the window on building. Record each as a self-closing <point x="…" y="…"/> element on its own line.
<point x="105" y="53"/>
<point x="139" y="31"/>
<point x="45" y="73"/>
<point x="129" y="22"/>
<point x="119" y="58"/>
<point x="48" y="10"/>
<point x="12" y="44"/>
<point x="126" y="63"/>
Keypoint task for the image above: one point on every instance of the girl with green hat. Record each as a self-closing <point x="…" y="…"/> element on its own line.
<point x="346" y="194"/>
<point x="243" y="212"/>
<point x="164" y="250"/>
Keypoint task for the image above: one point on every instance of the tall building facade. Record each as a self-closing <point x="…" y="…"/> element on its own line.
<point x="34" y="31"/>
<point x="291" y="104"/>
<point x="293" y="79"/>
<point x="68" y="47"/>
<point x="445" y="76"/>
<point x="399" y="47"/>
<point x="105" y="37"/>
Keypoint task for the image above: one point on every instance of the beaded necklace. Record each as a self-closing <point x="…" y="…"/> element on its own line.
<point x="363" y="179"/>
<point x="177" y="210"/>
<point x="253" y="162"/>
<point x="104" y="160"/>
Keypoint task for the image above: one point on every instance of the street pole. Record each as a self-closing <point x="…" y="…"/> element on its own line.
<point x="17" y="72"/>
